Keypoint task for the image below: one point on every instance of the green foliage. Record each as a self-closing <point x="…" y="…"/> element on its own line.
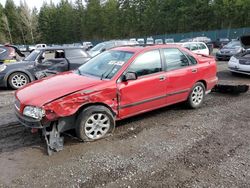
<point x="94" y="20"/>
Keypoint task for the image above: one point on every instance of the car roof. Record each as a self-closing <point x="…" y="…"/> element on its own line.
<point x="138" y="48"/>
<point x="60" y="48"/>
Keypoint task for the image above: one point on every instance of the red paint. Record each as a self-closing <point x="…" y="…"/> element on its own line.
<point x="64" y="94"/>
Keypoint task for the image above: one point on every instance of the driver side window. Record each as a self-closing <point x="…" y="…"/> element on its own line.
<point x="147" y="63"/>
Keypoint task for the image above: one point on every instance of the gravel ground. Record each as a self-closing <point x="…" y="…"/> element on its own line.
<point x="169" y="147"/>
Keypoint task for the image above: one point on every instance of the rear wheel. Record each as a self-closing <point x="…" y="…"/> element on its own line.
<point x="94" y="123"/>
<point x="196" y="96"/>
<point x="17" y="80"/>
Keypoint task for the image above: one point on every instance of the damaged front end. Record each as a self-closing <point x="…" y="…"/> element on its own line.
<point x="60" y="115"/>
<point x="51" y="131"/>
<point x="52" y="119"/>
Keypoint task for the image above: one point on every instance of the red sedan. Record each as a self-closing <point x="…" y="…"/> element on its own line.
<point x="114" y="85"/>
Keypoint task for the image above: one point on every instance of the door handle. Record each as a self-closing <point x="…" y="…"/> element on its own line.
<point x="161" y="78"/>
<point x="194" y="70"/>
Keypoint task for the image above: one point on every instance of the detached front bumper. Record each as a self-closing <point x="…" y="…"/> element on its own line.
<point x="29" y="122"/>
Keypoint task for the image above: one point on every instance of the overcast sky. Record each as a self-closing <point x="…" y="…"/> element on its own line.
<point x="31" y="3"/>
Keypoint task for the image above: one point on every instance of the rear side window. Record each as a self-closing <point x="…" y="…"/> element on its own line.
<point x="191" y="58"/>
<point x="175" y="59"/>
<point x="147" y="63"/>
<point x="201" y="46"/>
<point x="193" y="47"/>
<point x="75" y="53"/>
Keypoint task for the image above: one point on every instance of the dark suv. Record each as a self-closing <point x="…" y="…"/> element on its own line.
<point x="41" y="63"/>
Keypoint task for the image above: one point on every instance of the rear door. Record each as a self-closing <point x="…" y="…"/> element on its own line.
<point x="147" y="92"/>
<point x="181" y="74"/>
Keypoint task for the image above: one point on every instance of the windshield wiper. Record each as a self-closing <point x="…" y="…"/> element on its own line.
<point x="108" y="71"/>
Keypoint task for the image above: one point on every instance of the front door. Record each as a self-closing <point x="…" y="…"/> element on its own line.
<point x="147" y="92"/>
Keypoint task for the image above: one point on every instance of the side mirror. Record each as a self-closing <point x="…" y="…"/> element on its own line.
<point x="103" y="50"/>
<point x="129" y="76"/>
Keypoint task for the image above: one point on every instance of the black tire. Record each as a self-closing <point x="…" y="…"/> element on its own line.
<point x="89" y="117"/>
<point x="196" y="96"/>
<point x="13" y="81"/>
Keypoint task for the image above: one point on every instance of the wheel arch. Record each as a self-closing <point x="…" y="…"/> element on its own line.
<point x="203" y="82"/>
<point x="27" y="73"/>
<point x="95" y="104"/>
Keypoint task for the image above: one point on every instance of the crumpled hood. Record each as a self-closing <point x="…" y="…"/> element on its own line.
<point x="49" y="89"/>
<point x="245" y="41"/>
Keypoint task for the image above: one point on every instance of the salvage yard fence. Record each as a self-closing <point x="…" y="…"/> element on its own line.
<point x="230" y="33"/>
<point x="213" y="34"/>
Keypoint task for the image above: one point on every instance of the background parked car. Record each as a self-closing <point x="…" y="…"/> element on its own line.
<point x="167" y="41"/>
<point x="101" y="47"/>
<point x="158" y="41"/>
<point x="7" y="54"/>
<point x="23" y="48"/>
<point x="141" y="41"/>
<point x="33" y="47"/>
<point x="186" y="40"/>
<point x="17" y="75"/>
<point x="227" y="51"/>
<point x="219" y="43"/>
<point x="202" y="39"/>
<point x="196" y="47"/>
<point x="10" y="53"/>
<point x="240" y="63"/>
<point x="150" y="40"/>
<point x="88" y="45"/>
<point x="207" y="41"/>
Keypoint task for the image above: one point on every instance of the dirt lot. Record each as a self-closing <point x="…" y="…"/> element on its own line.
<point x="170" y="147"/>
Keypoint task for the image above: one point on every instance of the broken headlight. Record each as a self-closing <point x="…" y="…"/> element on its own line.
<point x="2" y="68"/>
<point x="34" y="112"/>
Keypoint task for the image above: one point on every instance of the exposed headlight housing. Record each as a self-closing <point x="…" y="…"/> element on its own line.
<point x="34" y="112"/>
<point x="233" y="59"/>
<point x="2" y="67"/>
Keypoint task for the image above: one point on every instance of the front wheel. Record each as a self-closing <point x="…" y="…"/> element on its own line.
<point x="17" y="80"/>
<point x="196" y="96"/>
<point x="94" y="123"/>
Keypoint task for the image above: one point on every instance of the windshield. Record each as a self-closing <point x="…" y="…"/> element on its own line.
<point x="105" y="65"/>
<point x="32" y="56"/>
<point x="233" y="44"/>
<point x="98" y="47"/>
